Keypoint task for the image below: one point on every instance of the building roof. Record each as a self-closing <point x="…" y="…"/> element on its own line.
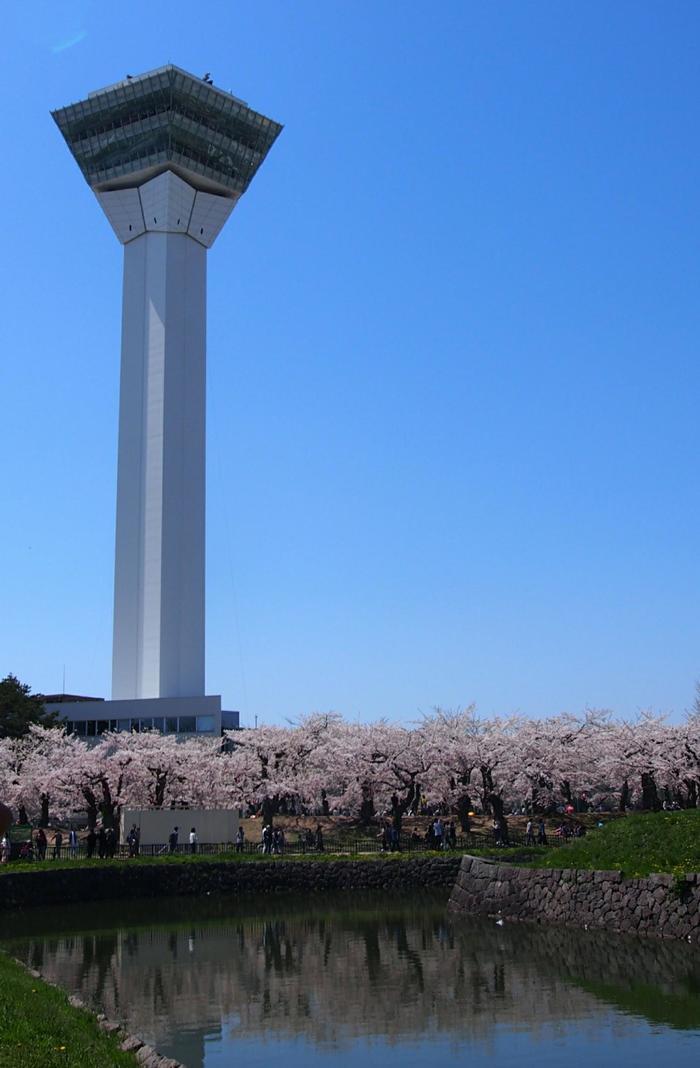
<point x="167" y="119"/>
<point x="57" y="698"/>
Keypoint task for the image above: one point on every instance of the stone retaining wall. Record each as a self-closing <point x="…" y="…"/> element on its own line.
<point x="122" y="879"/>
<point x="658" y="905"/>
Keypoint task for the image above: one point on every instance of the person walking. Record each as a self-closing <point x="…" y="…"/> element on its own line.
<point x="5" y="849"/>
<point x="193" y="840"/>
<point x="529" y="836"/>
<point x="73" y="843"/>
<point x="541" y="833"/>
<point x="240" y="840"/>
<point x="173" y="839"/>
<point x="319" y="839"/>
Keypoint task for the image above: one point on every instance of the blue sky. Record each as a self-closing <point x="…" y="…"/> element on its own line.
<point x="452" y="361"/>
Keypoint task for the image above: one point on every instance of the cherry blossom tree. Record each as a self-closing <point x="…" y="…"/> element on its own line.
<point x="327" y="765"/>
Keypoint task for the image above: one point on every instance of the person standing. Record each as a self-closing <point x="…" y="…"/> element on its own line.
<point x="41" y="844"/>
<point x="57" y="843"/>
<point x="240" y="840"/>
<point x="437" y="832"/>
<point x="73" y="843"/>
<point x="529" y="836"/>
<point x="173" y="838"/>
<point x="5" y="849"/>
<point x="541" y="833"/>
<point x="193" y="840"/>
<point x="319" y="839"/>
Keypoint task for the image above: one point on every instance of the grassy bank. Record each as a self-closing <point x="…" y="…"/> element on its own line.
<point x="640" y="844"/>
<point x="40" y="1029"/>
<point x="239" y="858"/>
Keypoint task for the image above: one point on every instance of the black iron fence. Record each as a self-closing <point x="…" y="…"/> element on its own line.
<point x="293" y="845"/>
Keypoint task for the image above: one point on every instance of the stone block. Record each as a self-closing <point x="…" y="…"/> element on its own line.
<point x="131" y="1044"/>
<point x="607" y="876"/>
<point x="659" y="879"/>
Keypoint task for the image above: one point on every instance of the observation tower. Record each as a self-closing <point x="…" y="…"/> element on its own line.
<point x="167" y="155"/>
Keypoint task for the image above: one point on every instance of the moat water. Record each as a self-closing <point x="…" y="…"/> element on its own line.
<point x="350" y="981"/>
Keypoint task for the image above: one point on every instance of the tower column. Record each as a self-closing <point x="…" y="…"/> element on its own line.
<point x="159" y="561"/>
<point x="168" y="156"/>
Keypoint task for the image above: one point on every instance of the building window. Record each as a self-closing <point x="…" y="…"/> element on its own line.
<point x="90" y="728"/>
<point x="205" y="723"/>
<point x="79" y="727"/>
<point x="123" y="724"/>
<point x="188" y="724"/>
<point x="171" y="725"/>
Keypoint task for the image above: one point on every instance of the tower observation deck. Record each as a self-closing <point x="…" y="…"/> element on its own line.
<point x="168" y="155"/>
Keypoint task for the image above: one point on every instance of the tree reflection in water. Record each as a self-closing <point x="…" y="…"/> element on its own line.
<point x="332" y="970"/>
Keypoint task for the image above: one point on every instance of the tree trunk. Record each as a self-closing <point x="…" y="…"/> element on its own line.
<point x="499" y="813"/>
<point x="399" y="807"/>
<point x="367" y="811"/>
<point x="161" y="783"/>
<point x="650" y="795"/>
<point x="269" y="808"/>
<point x="108" y="807"/>
<point x="44" y="817"/>
<point x="91" y="807"/>
<point x="625" y="796"/>
<point x="464" y="807"/>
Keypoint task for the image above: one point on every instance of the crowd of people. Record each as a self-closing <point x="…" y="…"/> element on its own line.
<point x="439" y="834"/>
<point x="100" y="842"/>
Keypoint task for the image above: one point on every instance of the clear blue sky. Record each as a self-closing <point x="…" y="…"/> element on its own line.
<point x="453" y="433"/>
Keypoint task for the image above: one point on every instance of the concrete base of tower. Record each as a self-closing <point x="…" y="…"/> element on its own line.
<point x="186" y="717"/>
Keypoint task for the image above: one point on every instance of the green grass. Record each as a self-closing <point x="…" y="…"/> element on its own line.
<point x="229" y="858"/>
<point x="637" y="845"/>
<point x="39" y="1029"/>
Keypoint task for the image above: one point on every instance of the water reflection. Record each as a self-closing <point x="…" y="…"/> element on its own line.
<point x="335" y="974"/>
